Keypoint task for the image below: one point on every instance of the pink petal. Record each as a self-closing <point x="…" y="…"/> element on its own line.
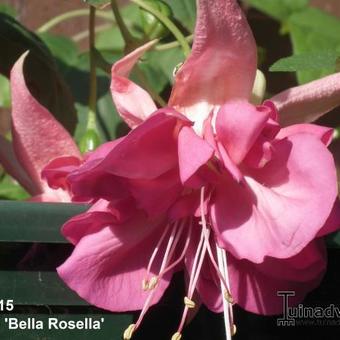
<point x="222" y="64"/>
<point x="56" y="171"/>
<point x="144" y="164"/>
<point x="254" y="286"/>
<point x="149" y="150"/>
<point x="155" y="196"/>
<point x="325" y="134"/>
<point x="100" y="214"/>
<point x="12" y="166"/>
<point x="88" y="183"/>
<point x="229" y="165"/>
<point x="132" y="102"/>
<point x="306" y="103"/>
<point x="37" y="136"/>
<point x="251" y="220"/>
<point x="108" y="265"/>
<point x="193" y="152"/>
<point x="238" y="125"/>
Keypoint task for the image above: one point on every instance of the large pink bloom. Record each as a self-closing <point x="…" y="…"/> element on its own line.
<point x="37" y="138"/>
<point x="213" y="184"/>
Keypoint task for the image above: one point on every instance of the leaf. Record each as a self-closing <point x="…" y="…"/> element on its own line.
<point x="312" y="31"/>
<point x="5" y="92"/>
<point x="318" y="21"/>
<point x="278" y="9"/>
<point x="111" y="39"/>
<point x="41" y="73"/>
<point x="306" y="61"/>
<point x="108" y="122"/>
<point x="61" y="47"/>
<point x="184" y="12"/>
<point x="165" y="61"/>
<point x="11" y="190"/>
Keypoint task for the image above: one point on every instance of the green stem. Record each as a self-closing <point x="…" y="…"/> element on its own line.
<point x="128" y="38"/>
<point x="173" y="44"/>
<point x="91" y="122"/>
<point x="168" y="23"/>
<point x="70" y="15"/>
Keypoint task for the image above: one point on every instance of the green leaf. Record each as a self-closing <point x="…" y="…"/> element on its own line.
<point x="62" y="48"/>
<point x="313" y="31"/>
<point x="35" y="222"/>
<point x="11" y="190"/>
<point x="108" y="121"/>
<point x="5" y="92"/>
<point x="317" y="21"/>
<point x="278" y="9"/>
<point x="184" y="12"/>
<point x="40" y="69"/>
<point x="111" y="39"/>
<point x="306" y="61"/>
<point x="165" y="61"/>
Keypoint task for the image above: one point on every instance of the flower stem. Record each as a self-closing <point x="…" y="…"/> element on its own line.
<point x="130" y="41"/>
<point x="173" y="44"/>
<point x="168" y="23"/>
<point x="91" y="122"/>
<point x="70" y="15"/>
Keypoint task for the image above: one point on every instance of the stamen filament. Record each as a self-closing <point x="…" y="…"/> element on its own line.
<point x="226" y="311"/>
<point x="195" y="270"/>
<point x="173" y="241"/>
<point x="154" y="253"/>
<point x="181" y="257"/>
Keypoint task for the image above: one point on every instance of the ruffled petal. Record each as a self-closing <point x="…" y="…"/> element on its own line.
<point x="251" y="219"/>
<point x="325" y="134"/>
<point x="149" y="150"/>
<point x="238" y="125"/>
<point x="222" y="64"/>
<point x="56" y="171"/>
<point x="155" y="196"/>
<point x="306" y="103"/>
<point x="108" y="264"/>
<point x="193" y="152"/>
<point x="255" y="286"/>
<point x="133" y="103"/>
<point x="43" y="139"/>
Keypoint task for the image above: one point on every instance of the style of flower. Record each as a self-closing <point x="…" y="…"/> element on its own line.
<point x="211" y="184"/>
<point x="37" y="138"/>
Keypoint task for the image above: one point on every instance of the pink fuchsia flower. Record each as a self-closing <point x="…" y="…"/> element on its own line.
<point x="211" y="179"/>
<point x="37" y="138"/>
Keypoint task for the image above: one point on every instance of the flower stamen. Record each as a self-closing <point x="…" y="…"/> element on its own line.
<point x="128" y="332"/>
<point x="176" y="336"/>
<point x="189" y="303"/>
